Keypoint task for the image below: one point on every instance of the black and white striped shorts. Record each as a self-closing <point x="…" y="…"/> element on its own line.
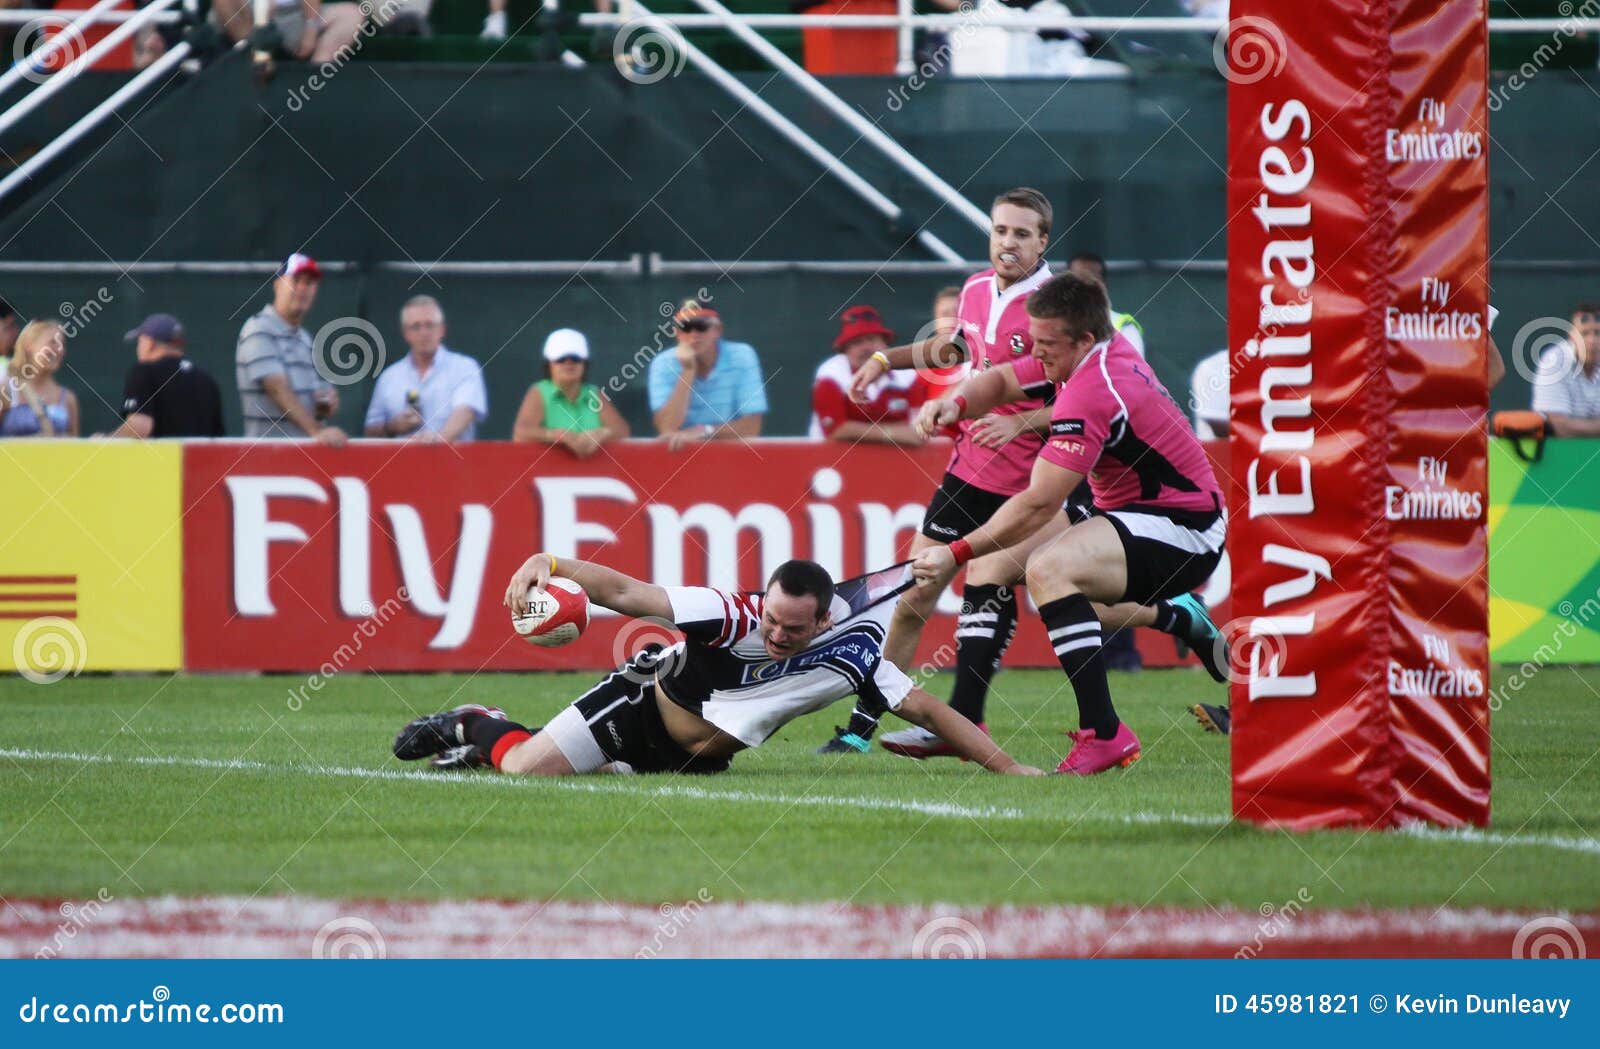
<point x="1169" y="552"/>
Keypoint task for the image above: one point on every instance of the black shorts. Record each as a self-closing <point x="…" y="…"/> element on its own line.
<point x="958" y="508"/>
<point x="618" y="720"/>
<point x="1169" y="552"/>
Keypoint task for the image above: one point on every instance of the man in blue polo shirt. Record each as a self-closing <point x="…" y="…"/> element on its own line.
<point x="708" y="388"/>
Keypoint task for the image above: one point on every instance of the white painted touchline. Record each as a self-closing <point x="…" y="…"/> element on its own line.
<point x="927" y="808"/>
<point x="584" y="786"/>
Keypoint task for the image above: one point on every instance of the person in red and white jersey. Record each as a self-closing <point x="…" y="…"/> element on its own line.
<point x="990" y="462"/>
<point x="1157" y="527"/>
<point x="885" y="415"/>
<point x="747" y="665"/>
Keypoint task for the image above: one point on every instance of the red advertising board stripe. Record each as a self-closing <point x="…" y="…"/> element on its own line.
<point x="388" y="558"/>
<point x="1357" y="249"/>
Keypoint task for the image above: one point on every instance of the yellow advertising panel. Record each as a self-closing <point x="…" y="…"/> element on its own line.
<point x="91" y="546"/>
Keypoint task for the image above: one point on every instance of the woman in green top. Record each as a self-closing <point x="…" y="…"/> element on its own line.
<point x="563" y="409"/>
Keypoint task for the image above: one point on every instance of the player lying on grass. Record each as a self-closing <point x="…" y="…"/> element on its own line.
<point x="1157" y="527"/>
<point x="749" y="664"/>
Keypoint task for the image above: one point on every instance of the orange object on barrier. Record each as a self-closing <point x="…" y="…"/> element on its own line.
<point x="857" y="51"/>
<point x="118" y="58"/>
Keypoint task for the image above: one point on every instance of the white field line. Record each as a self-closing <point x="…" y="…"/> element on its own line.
<point x="1589" y="846"/>
<point x="231" y="926"/>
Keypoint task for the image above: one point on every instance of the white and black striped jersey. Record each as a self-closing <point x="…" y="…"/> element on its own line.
<point x="723" y="673"/>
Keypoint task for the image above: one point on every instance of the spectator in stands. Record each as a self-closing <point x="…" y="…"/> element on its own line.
<point x="165" y="394"/>
<point x="494" y="23"/>
<point x="563" y="408"/>
<point x="1566" y="390"/>
<point x="310" y="30"/>
<point x="891" y="403"/>
<point x="433" y="393"/>
<point x="1209" y="390"/>
<point x="10" y="324"/>
<point x="411" y="18"/>
<point x="1088" y="264"/>
<point x="281" y="393"/>
<point x="708" y="388"/>
<point x="32" y="403"/>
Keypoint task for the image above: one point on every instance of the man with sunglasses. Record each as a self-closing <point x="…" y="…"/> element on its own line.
<point x="708" y="388"/>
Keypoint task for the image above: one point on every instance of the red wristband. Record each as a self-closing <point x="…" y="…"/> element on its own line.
<point x="962" y="551"/>
<point x="961" y="405"/>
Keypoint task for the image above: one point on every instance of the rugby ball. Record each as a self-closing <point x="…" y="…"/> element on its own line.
<point x="557" y="615"/>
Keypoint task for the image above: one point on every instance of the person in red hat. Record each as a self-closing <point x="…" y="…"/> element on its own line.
<point x="884" y="415"/>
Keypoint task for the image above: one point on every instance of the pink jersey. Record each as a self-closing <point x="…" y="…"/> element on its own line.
<point x="995" y="326"/>
<point x="1114" y="422"/>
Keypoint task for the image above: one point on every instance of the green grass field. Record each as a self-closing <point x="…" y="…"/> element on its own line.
<point x="159" y="811"/>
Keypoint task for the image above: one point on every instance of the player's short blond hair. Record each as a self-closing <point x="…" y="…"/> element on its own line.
<point x="1078" y="302"/>
<point x="1030" y="198"/>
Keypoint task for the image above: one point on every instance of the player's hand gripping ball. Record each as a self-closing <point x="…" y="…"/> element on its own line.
<point x="557" y="615"/>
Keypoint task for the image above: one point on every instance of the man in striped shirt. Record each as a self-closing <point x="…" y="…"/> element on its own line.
<point x="281" y="392"/>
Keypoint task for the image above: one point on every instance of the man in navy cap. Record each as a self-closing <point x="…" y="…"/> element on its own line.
<point x="165" y="394"/>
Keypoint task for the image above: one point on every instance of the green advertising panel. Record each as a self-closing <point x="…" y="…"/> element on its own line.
<point x="1544" y="553"/>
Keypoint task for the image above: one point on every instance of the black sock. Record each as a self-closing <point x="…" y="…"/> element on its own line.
<point x="1075" y="635"/>
<point x="862" y="724"/>
<point x="483" y="731"/>
<point x="864" y="718"/>
<point x="1170" y="619"/>
<point x="987" y="624"/>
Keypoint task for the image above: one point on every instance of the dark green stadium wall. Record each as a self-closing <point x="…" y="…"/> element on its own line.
<point x="520" y="162"/>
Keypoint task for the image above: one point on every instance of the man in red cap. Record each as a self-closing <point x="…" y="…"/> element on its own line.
<point x="884" y="414"/>
<point x="281" y="392"/>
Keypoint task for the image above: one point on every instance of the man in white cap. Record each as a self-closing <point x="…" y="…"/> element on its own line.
<point x="433" y="393"/>
<point x="563" y="408"/>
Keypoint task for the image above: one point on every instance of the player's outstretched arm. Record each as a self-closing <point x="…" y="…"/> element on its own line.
<point x="1018" y="518"/>
<point x="920" y="708"/>
<point x="937" y="351"/>
<point x="606" y="587"/>
<point x="987" y="390"/>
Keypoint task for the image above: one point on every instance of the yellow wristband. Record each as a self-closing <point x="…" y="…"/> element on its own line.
<point x="878" y="356"/>
<point x="552" y="558"/>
